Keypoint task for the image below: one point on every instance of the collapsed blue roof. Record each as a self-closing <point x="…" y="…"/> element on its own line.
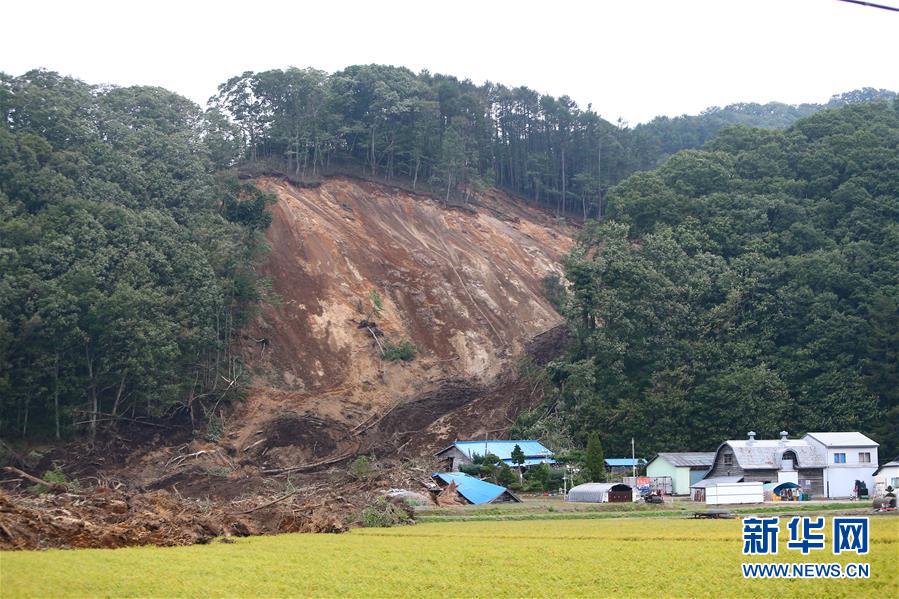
<point x="503" y="449"/>
<point x="625" y="461"/>
<point x="473" y="489"/>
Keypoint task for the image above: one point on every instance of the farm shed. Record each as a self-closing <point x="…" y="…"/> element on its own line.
<point x="475" y="490"/>
<point x="463" y="452"/>
<point x="600" y="493"/>
<point x="683" y="468"/>
<point x="732" y="493"/>
<point x="698" y="489"/>
<point x="624" y="466"/>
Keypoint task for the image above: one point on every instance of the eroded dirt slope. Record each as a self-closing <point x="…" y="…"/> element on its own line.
<point x="463" y="284"/>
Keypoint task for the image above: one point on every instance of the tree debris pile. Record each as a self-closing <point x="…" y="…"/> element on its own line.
<point x="103" y="518"/>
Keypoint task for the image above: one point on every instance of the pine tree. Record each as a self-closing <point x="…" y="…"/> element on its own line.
<point x="595" y="462"/>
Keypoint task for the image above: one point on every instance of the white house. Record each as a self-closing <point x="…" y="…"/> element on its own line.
<point x="886" y="476"/>
<point x="848" y="457"/>
<point x="822" y="464"/>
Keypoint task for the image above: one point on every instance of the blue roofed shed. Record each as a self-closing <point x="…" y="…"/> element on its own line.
<point x="624" y="465"/>
<point x="464" y="452"/>
<point x="474" y="490"/>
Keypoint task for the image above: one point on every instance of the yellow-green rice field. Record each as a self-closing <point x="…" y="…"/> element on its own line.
<point x="623" y="557"/>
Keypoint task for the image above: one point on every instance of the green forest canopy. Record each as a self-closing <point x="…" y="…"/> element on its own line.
<point x="125" y="265"/>
<point x="752" y="282"/>
<point x="749" y="285"/>
<point x="455" y="136"/>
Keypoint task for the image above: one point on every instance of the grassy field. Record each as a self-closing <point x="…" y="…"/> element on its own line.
<point x="545" y="508"/>
<point x="602" y="557"/>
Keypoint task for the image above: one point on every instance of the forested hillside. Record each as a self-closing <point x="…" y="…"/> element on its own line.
<point x="750" y="285"/>
<point x="654" y="141"/>
<point x="125" y="265"/>
<point x="454" y="137"/>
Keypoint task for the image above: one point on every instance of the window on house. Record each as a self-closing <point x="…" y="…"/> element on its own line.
<point x="839" y="458"/>
<point x="864" y="457"/>
<point x="727" y="460"/>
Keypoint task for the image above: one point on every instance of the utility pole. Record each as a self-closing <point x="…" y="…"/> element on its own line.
<point x="633" y="462"/>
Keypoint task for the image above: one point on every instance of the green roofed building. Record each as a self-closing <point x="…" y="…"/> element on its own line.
<point x="683" y="468"/>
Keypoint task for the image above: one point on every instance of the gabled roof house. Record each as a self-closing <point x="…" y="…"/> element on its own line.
<point x="822" y="464"/>
<point x="684" y="468"/>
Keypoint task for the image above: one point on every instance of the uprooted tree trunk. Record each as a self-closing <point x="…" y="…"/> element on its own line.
<point x="449" y="496"/>
<point x="53" y="487"/>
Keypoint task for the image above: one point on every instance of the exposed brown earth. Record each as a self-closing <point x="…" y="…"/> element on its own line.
<point x="463" y="284"/>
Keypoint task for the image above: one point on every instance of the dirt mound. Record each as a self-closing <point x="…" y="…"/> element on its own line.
<point x="290" y="440"/>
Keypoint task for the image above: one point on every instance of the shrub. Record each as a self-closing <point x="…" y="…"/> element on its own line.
<point x="505" y="476"/>
<point x="554" y="291"/>
<point x="54" y="477"/>
<point x="361" y="468"/>
<point x="384" y="514"/>
<point x="470" y="469"/>
<point x="403" y="350"/>
<point x="215" y="428"/>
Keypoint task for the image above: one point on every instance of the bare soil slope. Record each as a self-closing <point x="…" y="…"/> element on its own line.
<point x="463" y="284"/>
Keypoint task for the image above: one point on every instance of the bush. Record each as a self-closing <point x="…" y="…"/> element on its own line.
<point x="215" y="428"/>
<point x="403" y="350"/>
<point x="384" y="514"/>
<point x="54" y="477"/>
<point x="533" y="486"/>
<point x="505" y="476"/>
<point x="471" y="469"/>
<point x="537" y="477"/>
<point x="361" y="468"/>
<point x="554" y="291"/>
<point x="554" y="480"/>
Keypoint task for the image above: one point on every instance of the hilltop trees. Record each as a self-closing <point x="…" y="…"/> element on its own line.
<point x="455" y="137"/>
<point x="389" y="123"/>
<point x="125" y="266"/>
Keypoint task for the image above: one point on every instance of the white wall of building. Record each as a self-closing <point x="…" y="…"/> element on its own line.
<point x="839" y="477"/>
<point x="888" y="476"/>
<point x="733" y="493"/>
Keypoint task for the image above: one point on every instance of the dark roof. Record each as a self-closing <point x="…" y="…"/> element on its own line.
<point x="766" y="454"/>
<point x="689" y="459"/>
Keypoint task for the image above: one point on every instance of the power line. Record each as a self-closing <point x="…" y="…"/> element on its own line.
<point x="872" y="5"/>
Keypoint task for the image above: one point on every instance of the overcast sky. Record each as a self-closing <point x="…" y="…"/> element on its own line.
<point x="630" y="59"/>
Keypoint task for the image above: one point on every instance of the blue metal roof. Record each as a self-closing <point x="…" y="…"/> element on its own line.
<point x="530" y="462"/>
<point x="625" y="461"/>
<point x="502" y="449"/>
<point x="473" y="489"/>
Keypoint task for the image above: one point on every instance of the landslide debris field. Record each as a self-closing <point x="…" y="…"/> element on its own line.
<point x="461" y="284"/>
